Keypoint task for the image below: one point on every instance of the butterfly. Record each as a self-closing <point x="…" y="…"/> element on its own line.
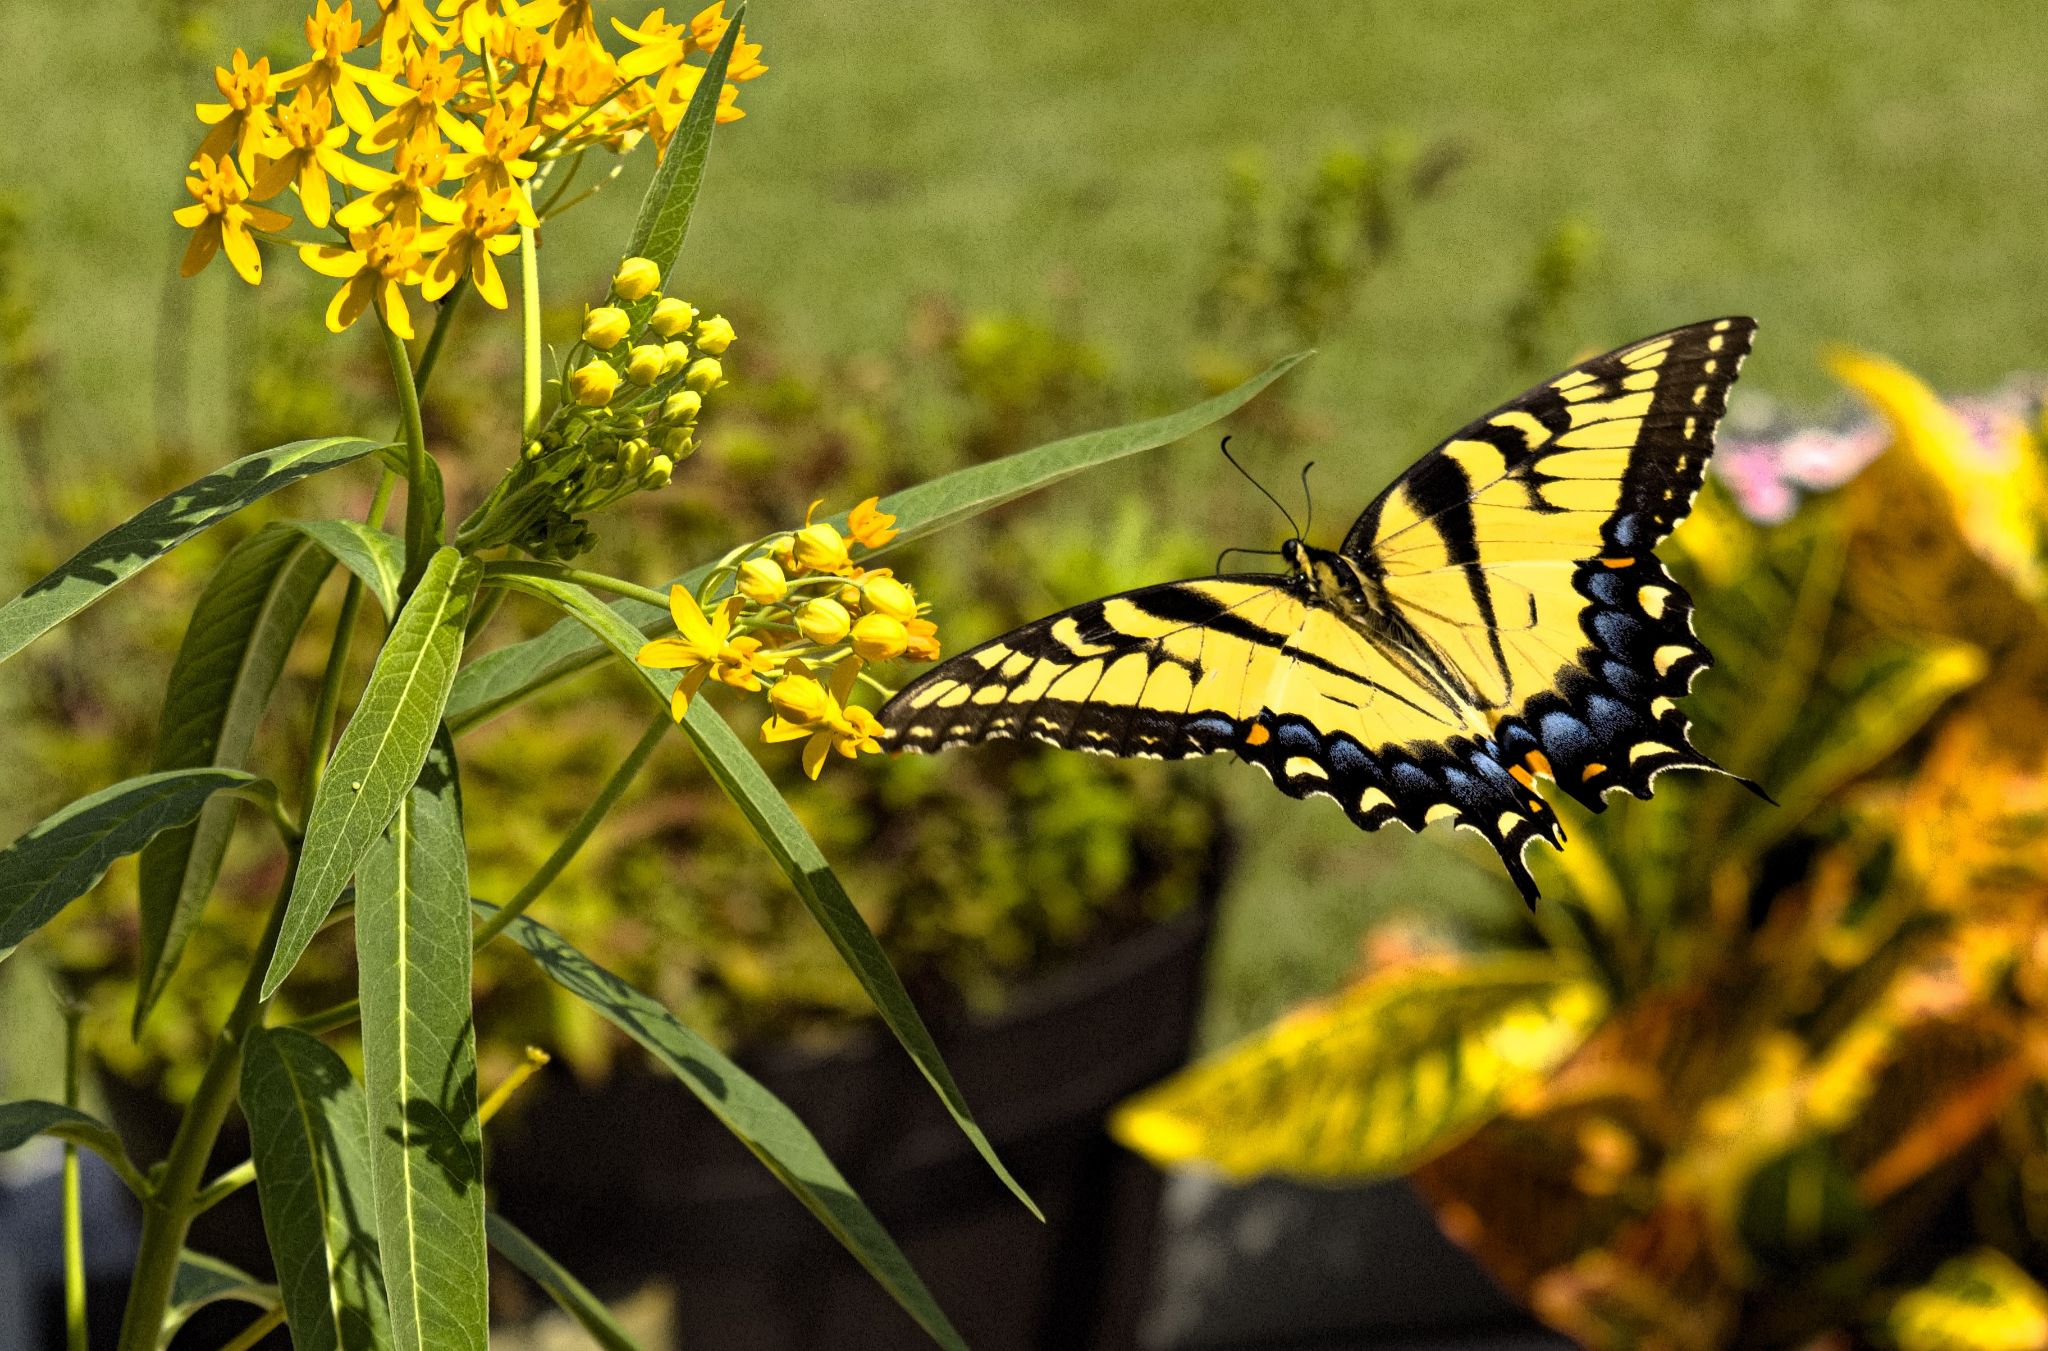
<point x="1498" y="616"/>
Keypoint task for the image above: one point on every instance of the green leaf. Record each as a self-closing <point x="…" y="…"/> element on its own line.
<point x="419" y="1066"/>
<point x="1372" y="1081"/>
<point x="379" y="755"/>
<point x="566" y="1291"/>
<point x="500" y="679"/>
<point x="203" y="1280"/>
<point x="665" y="211"/>
<point x="22" y="1121"/>
<point x="309" y="1137"/>
<point x="753" y="1114"/>
<point x="748" y="785"/>
<point x="161" y="527"/>
<point x="1981" y="1301"/>
<point x="375" y="557"/>
<point x="61" y="858"/>
<point x="235" y="647"/>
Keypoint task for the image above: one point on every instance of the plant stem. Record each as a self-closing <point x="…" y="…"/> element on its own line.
<point x="74" y="1212"/>
<point x="422" y="531"/>
<point x="167" y="1211"/>
<point x="529" y="317"/>
<point x="257" y="1331"/>
<point x="618" y="586"/>
<point x="341" y="1015"/>
<point x="430" y="355"/>
<point x="224" y="1186"/>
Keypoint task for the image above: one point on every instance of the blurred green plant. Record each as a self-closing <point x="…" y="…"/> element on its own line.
<point x="1775" y="1074"/>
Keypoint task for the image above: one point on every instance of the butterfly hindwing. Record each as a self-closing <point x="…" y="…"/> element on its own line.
<point x="1521" y="551"/>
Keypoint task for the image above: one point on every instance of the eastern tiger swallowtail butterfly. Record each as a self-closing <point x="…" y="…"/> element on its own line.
<point x="1497" y="616"/>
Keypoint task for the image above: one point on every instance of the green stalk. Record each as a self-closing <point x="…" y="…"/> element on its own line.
<point x="167" y="1212"/>
<point x="529" y="317"/>
<point x="341" y="1015"/>
<point x="422" y="531"/>
<point x="596" y="581"/>
<point x="257" y="1331"/>
<point x="430" y="355"/>
<point x="74" y="1211"/>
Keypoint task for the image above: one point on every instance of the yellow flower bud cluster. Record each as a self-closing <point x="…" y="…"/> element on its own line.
<point x="801" y="618"/>
<point x="482" y="103"/>
<point x="626" y="417"/>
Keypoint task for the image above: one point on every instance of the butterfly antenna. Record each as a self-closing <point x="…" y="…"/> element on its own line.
<point x="1308" y="503"/>
<point x="1234" y="549"/>
<point x="1261" y="487"/>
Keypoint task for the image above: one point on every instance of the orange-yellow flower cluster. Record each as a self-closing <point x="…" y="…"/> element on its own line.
<point x="482" y="103"/>
<point x="803" y="618"/>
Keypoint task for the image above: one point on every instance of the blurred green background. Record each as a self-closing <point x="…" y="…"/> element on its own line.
<point x="1857" y="172"/>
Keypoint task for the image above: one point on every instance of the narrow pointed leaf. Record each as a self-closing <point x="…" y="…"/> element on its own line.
<point x="161" y="527"/>
<point x="665" y="211"/>
<point x="234" y="649"/>
<point x="309" y="1137"/>
<point x="564" y="1289"/>
<point x="1371" y="1081"/>
<point x="419" y="1067"/>
<point x="377" y="558"/>
<point x="503" y="678"/>
<point x="203" y="1280"/>
<point x="61" y="858"/>
<point x="802" y="862"/>
<point x="763" y="1124"/>
<point x="22" y="1121"/>
<point x="379" y="755"/>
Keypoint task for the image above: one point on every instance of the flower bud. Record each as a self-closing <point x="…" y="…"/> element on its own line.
<point x="887" y="596"/>
<point x="678" y="443"/>
<point x="715" y="334"/>
<point x="761" y="581"/>
<point x="633" y="457"/>
<point x="820" y="548"/>
<point x="606" y="327"/>
<point x="672" y="317"/>
<point x="682" y="406"/>
<point x="799" y="699"/>
<point x="705" y="375"/>
<point x="643" y="364"/>
<point x="660" y="470"/>
<point x="636" y="279"/>
<point x="823" y="622"/>
<point x="783" y="551"/>
<point x="877" y="637"/>
<point x="593" y="384"/>
<point x="674" y="357"/>
<point x="924" y="640"/>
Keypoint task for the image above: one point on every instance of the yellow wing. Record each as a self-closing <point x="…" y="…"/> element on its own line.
<point x="1520" y="551"/>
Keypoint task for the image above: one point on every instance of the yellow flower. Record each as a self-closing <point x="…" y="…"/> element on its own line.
<point x="222" y="218"/>
<point x="823" y="621"/>
<point x="472" y="247"/>
<point x="878" y="637"/>
<point x="332" y="34"/>
<point x="819" y="548"/>
<point x="870" y="526"/>
<point x="403" y="21"/>
<point x="675" y="356"/>
<point x="762" y="582"/>
<point x="306" y="151"/>
<point x="476" y="21"/>
<point x="644" y="363"/>
<point x="606" y="327"/>
<point x="243" y="122"/>
<point x="379" y="264"/>
<point x="495" y="154"/>
<point x="574" y="25"/>
<point x="822" y="719"/>
<point x="636" y="279"/>
<point x="798" y="698"/>
<point x="672" y="317"/>
<point x="923" y="644"/>
<point x="883" y="594"/>
<point x="704" y="375"/>
<point x="420" y="165"/>
<point x="430" y="83"/>
<point x="741" y="662"/>
<point x="714" y="335"/>
<point x="593" y="384"/>
<point x="700" y="641"/>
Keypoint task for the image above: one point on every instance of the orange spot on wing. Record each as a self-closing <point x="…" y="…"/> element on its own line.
<point x="1523" y="777"/>
<point x="1539" y="763"/>
<point x="1259" y="735"/>
<point x="1617" y="562"/>
<point x="1593" y="769"/>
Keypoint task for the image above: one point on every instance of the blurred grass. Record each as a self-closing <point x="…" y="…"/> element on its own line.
<point x="1863" y="172"/>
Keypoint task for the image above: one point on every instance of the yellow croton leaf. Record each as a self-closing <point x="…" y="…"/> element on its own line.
<point x="1980" y="1301"/>
<point x="1371" y="1081"/>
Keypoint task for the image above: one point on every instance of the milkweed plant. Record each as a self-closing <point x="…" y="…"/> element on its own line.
<point x="415" y="158"/>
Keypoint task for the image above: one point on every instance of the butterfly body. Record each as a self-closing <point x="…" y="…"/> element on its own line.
<point x="1495" y="618"/>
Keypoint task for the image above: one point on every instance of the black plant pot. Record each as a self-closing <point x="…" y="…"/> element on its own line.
<point x="636" y="1181"/>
